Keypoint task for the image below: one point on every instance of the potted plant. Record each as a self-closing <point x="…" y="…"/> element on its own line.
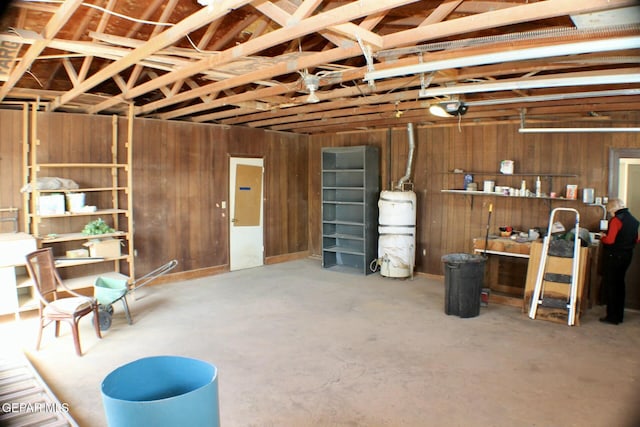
<point x="97" y="227"/>
<point x="102" y="248"/>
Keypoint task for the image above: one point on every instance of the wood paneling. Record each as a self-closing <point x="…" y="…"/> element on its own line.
<point x="11" y="123"/>
<point x="286" y="207"/>
<point x="447" y="223"/>
<point x="65" y="138"/>
<point x="180" y="181"/>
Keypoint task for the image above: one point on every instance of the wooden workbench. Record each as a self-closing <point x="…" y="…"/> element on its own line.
<point x="506" y="269"/>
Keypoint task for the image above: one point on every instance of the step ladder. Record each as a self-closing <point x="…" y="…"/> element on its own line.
<point x="538" y="298"/>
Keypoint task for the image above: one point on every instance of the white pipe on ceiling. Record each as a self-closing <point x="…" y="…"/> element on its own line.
<point x="554" y="97"/>
<point x="605" y="45"/>
<point x="566" y="130"/>
<point x="533" y="83"/>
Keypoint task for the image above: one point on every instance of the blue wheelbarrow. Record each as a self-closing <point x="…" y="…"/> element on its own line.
<point x="107" y="291"/>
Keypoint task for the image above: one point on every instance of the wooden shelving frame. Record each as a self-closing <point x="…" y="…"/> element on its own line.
<point x="121" y="217"/>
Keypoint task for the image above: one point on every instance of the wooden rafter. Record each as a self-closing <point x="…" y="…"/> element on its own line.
<point x="80" y="30"/>
<point x="501" y="17"/>
<point x="243" y="64"/>
<point x="156" y="43"/>
<point x="315" y="23"/>
<point x="434" y="31"/>
<point x="146" y="15"/>
<point x="54" y="25"/>
<point x="166" y="13"/>
<point x="86" y="64"/>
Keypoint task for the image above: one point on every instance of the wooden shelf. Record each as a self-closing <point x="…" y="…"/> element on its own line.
<point x="487" y="194"/>
<point x="27" y="302"/>
<point x="71" y="237"/>
<point x="74" y="214"/>
<point x="108" y="182"/>
<point x="79" y="165"/>
<point x="62" y="262"/>
<point x="23" y="281"/>
<point x="554" y="175"/>
<point x="83" y="190"/>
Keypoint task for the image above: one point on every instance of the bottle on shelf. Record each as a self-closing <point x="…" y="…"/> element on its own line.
<point x="538" y="187"/>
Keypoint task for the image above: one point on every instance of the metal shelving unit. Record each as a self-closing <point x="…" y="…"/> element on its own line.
<point x="350" y="190"/>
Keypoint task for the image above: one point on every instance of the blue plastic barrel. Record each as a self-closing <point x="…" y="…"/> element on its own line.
<point x="162" y="391"/>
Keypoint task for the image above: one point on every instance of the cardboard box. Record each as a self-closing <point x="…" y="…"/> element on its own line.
<point x="107" y="248"/>
<point x="51" y="204"/>
<point x="77" y="253"/>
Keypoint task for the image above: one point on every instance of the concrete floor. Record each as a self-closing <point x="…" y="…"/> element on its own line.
<point x="296" y="345"/>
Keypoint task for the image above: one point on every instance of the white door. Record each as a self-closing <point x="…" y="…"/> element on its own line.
<point x="246" y="246"/>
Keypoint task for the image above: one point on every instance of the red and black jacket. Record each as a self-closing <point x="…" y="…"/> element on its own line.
<point x="622" y="234"/>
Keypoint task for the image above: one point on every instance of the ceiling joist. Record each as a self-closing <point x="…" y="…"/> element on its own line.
<point x="243" y="62"/>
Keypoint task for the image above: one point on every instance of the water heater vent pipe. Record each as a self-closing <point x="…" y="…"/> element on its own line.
<point x="407" y="175"/>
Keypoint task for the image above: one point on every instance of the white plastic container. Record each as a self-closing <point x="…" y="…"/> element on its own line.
<point x="397" y="230"/>
<point x="489" y="186"/>
<point x="75" y="202"/>
<point x="50" y="204"/>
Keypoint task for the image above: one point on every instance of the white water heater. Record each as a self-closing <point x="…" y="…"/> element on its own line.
<point x="397" y="233"/>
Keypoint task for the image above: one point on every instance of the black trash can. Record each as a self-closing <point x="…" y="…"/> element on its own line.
<point x="463" y="277"/>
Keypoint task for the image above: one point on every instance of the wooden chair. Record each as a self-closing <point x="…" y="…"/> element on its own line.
<point x="53" y="307"/>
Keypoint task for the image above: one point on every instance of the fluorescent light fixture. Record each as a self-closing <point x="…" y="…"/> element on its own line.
<point x="568" y="130"/>
<point x="448" y="109"/>
<point x="554" y="97"/>
<point x="619" y="43"/>
<point x="578" y="79"/>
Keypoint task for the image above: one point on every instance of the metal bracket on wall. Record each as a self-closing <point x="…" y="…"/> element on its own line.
<point x="12" y="217"/>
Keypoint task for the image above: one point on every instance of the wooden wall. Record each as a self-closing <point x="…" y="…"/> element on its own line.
<point x="11" y="130"/>
<point x="180" y="179"/>
<point x="180" y="173"/>
<point x="447" y="223"/>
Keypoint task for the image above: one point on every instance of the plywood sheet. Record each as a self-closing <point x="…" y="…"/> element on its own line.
<point x="556" y="290"/>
